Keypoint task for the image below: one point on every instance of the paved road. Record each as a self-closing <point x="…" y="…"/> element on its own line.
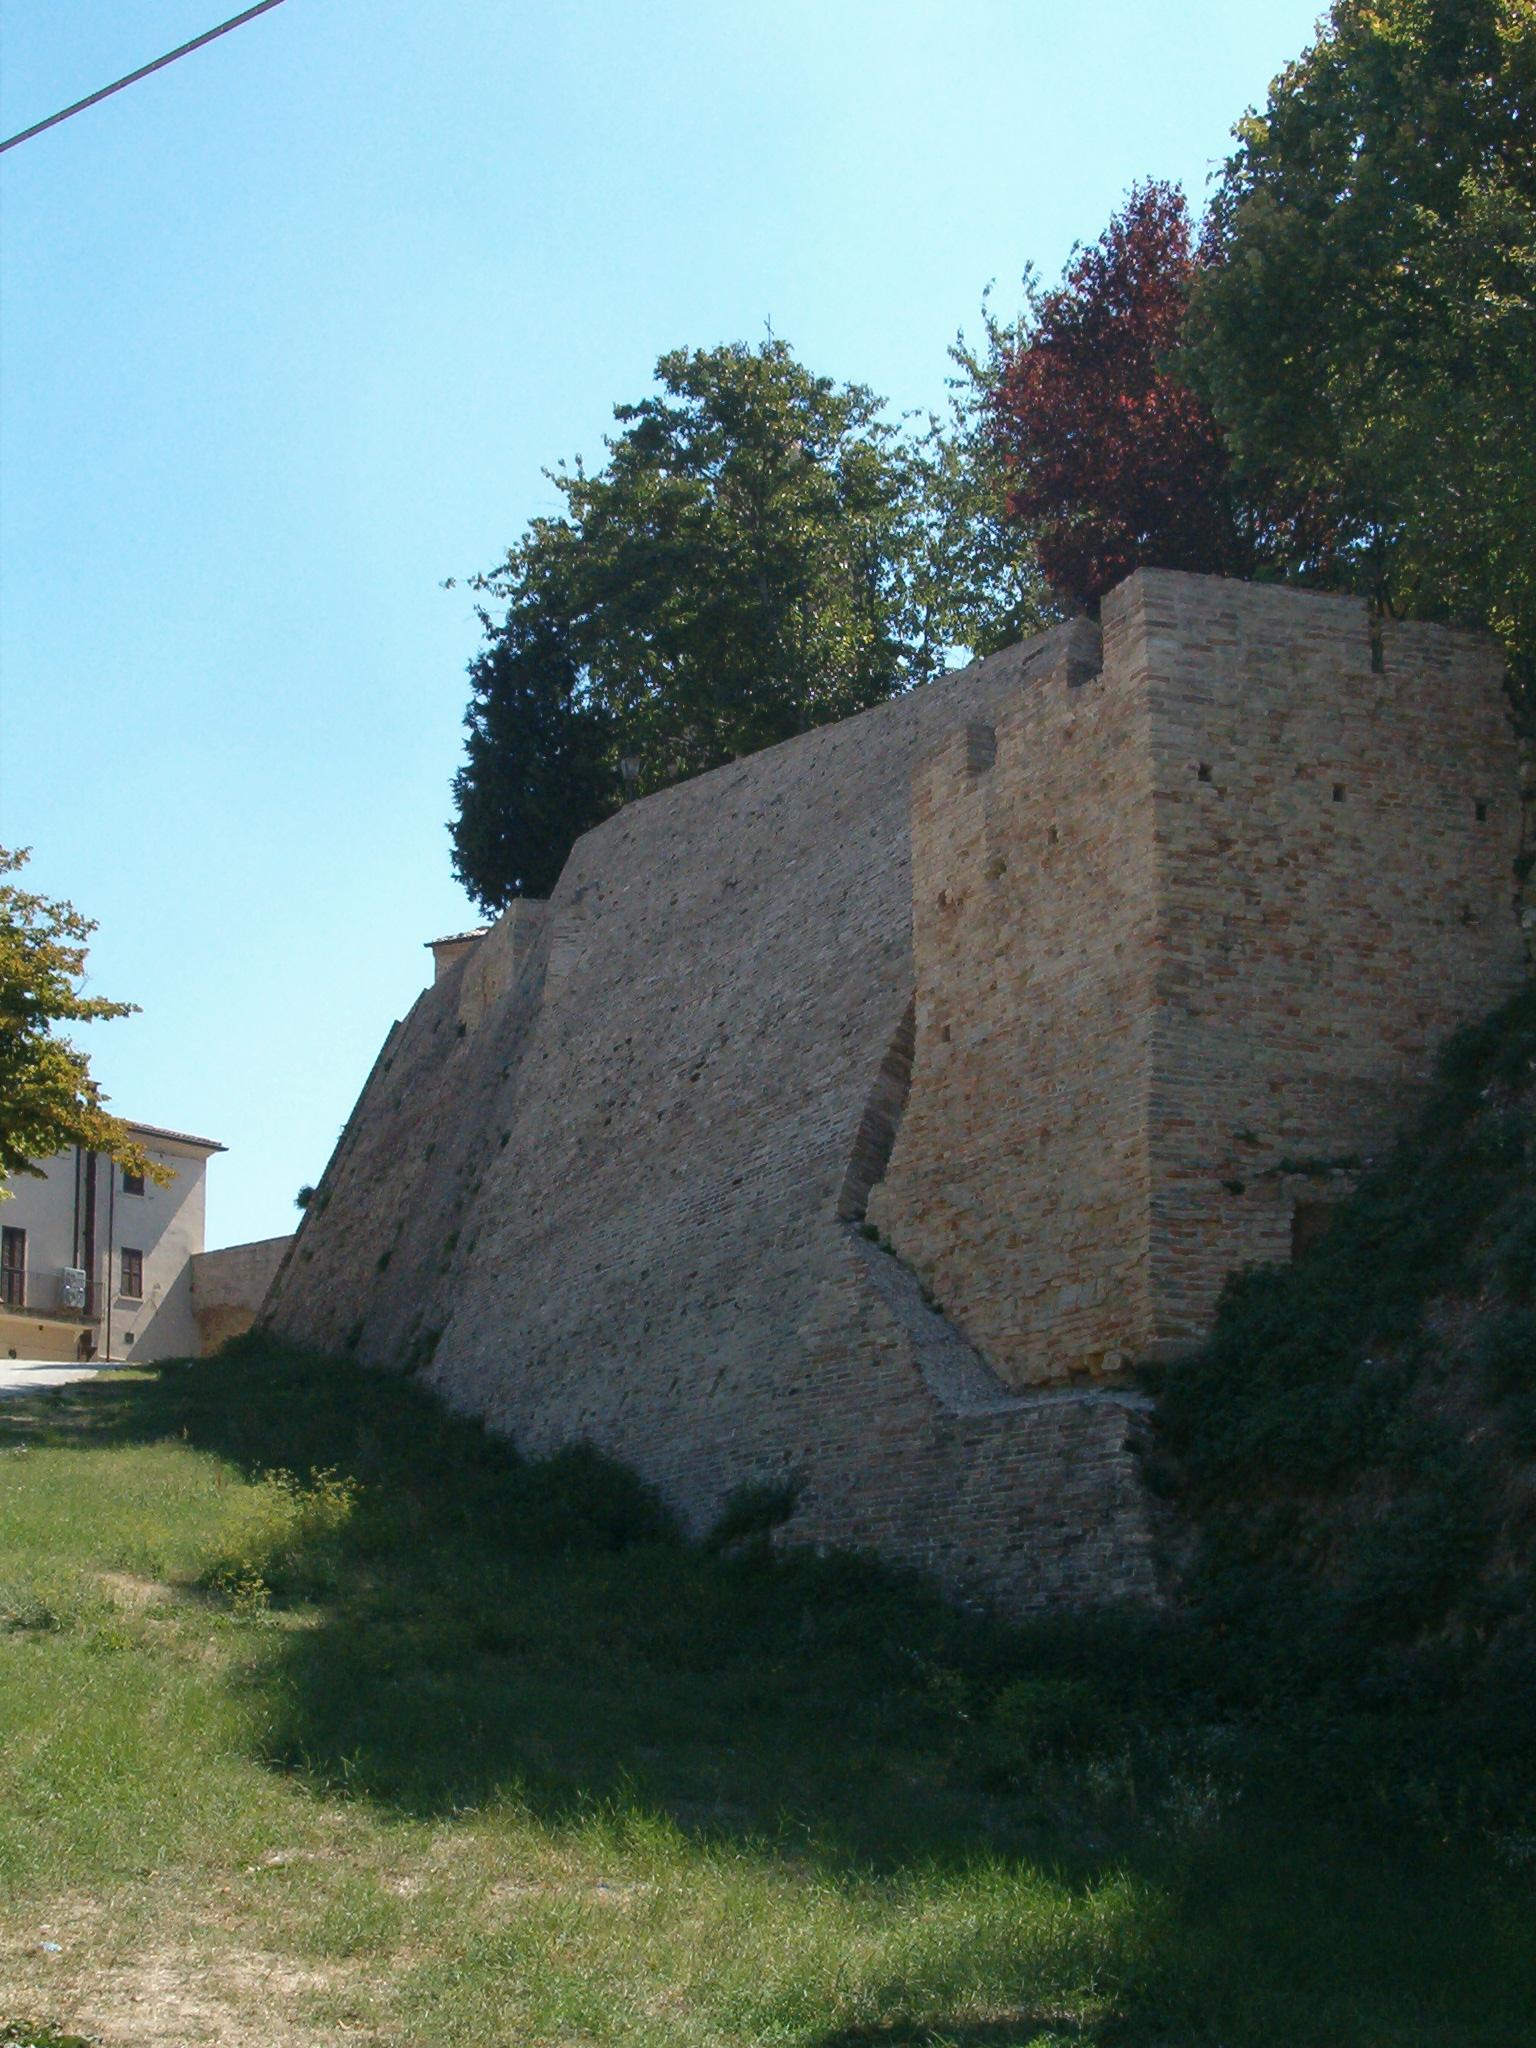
<point x="36" y="1375"/>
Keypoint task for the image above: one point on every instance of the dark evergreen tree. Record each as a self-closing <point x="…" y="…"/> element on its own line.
<point x="539" y="765"/>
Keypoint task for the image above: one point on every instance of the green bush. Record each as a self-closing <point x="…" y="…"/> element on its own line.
<point x="752" y="1513"/>
<point x="1035" y="1720"/>
<point x="1347" y="1448"/>
<point x="285" y="1535"/>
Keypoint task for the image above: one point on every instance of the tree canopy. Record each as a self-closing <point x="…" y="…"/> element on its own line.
<point x="980" y="579"/>
<point x="761" y="552"/>
<point x="1111" y="462"/>
<point x="1334" y="381"/>
<point x="48" y="1099"/>
<point x="1364" y="325"/>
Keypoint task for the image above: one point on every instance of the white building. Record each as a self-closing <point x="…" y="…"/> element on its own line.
<point x="96" y="1262"/>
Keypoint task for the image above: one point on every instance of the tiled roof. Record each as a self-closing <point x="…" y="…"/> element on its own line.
<point x="179" y="1137"/>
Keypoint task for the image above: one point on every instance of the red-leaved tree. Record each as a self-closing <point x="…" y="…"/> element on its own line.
<point x="1113" y="464"/>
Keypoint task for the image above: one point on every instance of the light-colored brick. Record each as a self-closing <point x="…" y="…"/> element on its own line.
<point x="1059" y="967"/>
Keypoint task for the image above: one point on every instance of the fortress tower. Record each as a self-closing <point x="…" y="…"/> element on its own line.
<point x="1186" y="935"/>
<point x="860" y="1112"/>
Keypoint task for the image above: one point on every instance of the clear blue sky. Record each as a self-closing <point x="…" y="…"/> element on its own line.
<point x="290" y="331"/>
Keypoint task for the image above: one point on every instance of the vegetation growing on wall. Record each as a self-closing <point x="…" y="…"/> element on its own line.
<point x="1334" y="381"/>
<point x="1337" y="382"/>
<point x="1364" y="324"/>
<point x="760" y="553"/>
<point x="1110" y="460"/>
<point x="1357" y="1442"/>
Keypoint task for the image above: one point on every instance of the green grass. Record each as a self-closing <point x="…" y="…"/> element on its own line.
<point x="427" y="1746"/>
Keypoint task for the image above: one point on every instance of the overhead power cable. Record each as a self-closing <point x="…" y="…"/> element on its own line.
<point x="143" y="71"/>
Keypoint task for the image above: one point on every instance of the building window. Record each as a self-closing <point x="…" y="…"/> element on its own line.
<point x="133" y="1274"/>
<point x="133" y="1183"/>
<point x="13" y="1268"/>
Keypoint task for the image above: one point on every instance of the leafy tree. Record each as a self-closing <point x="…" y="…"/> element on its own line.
<point x="978" y="577"/>
<point x="1365" y="328"/>
<point x="741" y="568"/>
<point x="1112" y="462"/>
<point x="47" y="1097"/>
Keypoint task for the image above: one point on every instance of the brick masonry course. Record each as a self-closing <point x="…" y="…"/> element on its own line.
<point x="1078" y="977"/>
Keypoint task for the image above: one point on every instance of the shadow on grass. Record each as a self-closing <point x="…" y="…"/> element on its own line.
<point x="492" y="1627"/>
<point x="966" y="2034"/>
<point x="1025" y="2032"/>
<point x="490" y="1630"/>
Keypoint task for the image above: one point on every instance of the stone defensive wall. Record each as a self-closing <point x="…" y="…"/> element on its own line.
<point x="858" y="1114"/>
<point x="229" y="1288"/>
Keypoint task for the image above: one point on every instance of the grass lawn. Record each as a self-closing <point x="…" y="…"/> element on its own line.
<point x="438" y="1748"/>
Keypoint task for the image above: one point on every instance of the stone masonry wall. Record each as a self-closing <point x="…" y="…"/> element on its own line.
<point x="229" y="1287"/>
<point x="1337" y="827"/>
<point x="1187" y="933"/>
<point x="609" y="1179"/>
<point x="371" y="1267"/>
<point x="611" y="1206"/>
<point x="1018" y="1185"/>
